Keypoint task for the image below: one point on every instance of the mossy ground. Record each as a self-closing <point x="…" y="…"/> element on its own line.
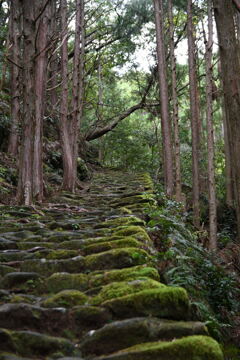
<point x="93" y="262"/>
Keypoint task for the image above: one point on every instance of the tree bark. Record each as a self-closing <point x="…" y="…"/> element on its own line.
<point x="178" y="184"/>
<point x="80" y="99"/>
<point x="35" y="30"/>
<point x="194" y="113"/>
<point x="64" y="130"/>
<point x="15" y="55"/>
<point x="210" y="132"/>
<point x="162" y="78"/>
<point x="41" y="42"/>
<point x="230" y="66"/>
<point x="25" y="182"/>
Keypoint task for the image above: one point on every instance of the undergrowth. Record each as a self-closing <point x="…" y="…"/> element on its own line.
<point x="183" y="261"/>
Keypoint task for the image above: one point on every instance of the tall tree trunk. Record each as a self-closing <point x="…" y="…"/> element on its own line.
<point x="178" y="186"/>
<point x="25" y="183"/>
<point x="194" y="110"/>
<point x="53" y="73"/>
<point x="79" y="113"/>
<point x="35" y="30"/>
<point x="230" y="66"/>
<point x="210" y="131"/>
<point x="41" y="43"/>
<point x="64" y="130"/>
<point x="15" y="55"/>
<point x="162" y="77"/>
<point x="100" y="108"/>
<point x="228" y="169"/>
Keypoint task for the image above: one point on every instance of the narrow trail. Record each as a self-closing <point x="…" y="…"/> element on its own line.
<point x="78" y="281"/>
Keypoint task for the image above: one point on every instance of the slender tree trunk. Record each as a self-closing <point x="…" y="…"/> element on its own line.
<point x="162" y="77"/>
<point x="64" y="130"/>
<point x="41" y="43"/>
<point x="230" y="66"/>
<point x="25" y="183"/>
<point x="228" y="169"/>
<point x="53" y="73"/>
<point x="178" y="186"/>
<point x="15" y="54"/>
<point x="75" y="77"/>
<point x="100" y="108"/>
<point x="210" y="131"/>
<point x="194" y="115"/>
<point x="80" y="43"/>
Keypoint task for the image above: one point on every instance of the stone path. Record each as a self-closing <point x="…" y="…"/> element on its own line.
<point x="78" y="281"/>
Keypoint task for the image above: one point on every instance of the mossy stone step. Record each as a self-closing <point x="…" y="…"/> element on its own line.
<point x="28" y="343"/>
<point x="15" y="279"/>
<point x="122" y="334"/>
<point x="66" y="299"/>
<point x="7" y="356"/>
<point x="48" y="267"/>
<point x="128" y="274"/>
<point x="122" y="288"/>
<point x="113" y="244"/>
<point x="117" y="259"/>
<point x="167" y="302"/>
<point x="190" y="348"/>
<point x="63" y="281"/>
<point x="26" y="316"/>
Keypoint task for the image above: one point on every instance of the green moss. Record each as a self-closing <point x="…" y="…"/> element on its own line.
<point x="28" y="343"/>
<point x="30" y="245"/>
<point x="191" y="348"/>
<point x="117" y="258"/>
<point x="114" y="244"/>
<point x="66" y="298"/>
<point x="122" y="221"/>
<point x="167" y="302"/>
<point x="125" y="210"/>
<point x="135" y="231"/>
<point x="21" y="299"/>
<point x="48" y="267"/>
<point x="122" y="288"/>
<point x="90" y="317"/>
<point x="132" y="273"/>
<point x="63" y="281"/>
<point x="133" y="200"/>
<point x="62" y="254"/>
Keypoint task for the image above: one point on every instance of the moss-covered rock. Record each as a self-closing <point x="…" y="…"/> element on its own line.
<point x="62" y="254"/>
<point x="7" y="356"/>
<point x="63" y="281"/>
<point x="128" y="274"/>
<point x="166" y="302"/>
<point x="66" y="298"/>
<point x="117" y="259"/>
<point x="89" y="317"/>
<point x="122" y="334"/>
<point x="5" y="269"/>
<point x="33" y="246"/>
<point x="17" y="279"/>
<point x="191" y="348"/>
<point x="28" y="343"/>
<point x="122" y="288"/>
<point x="135" y="231"/>
<point x="48" y="267"/>
<point x="113" y="244"/>
<point x="121" y="221"/>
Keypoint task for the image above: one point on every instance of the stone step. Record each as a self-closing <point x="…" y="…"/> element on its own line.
<point x="190" y="348"/>
<point x="122" y="334"/>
